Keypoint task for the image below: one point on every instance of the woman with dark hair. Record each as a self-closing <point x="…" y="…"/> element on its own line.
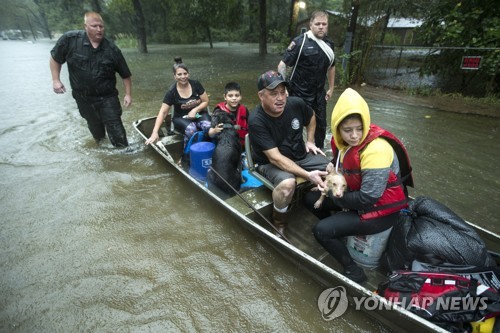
<point x="190" y="101"/>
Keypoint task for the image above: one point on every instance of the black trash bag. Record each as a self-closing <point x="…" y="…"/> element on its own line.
<point x="431" y="233"/>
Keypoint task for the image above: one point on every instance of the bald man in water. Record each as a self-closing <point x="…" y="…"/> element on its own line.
<point x="93" y="61"/>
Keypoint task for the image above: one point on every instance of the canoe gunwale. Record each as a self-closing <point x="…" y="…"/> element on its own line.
<point x="394" y="317"/>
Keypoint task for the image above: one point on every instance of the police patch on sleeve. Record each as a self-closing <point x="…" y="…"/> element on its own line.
<point x="291" y="46"/>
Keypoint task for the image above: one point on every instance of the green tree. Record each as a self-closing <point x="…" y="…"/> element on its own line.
<point x="23" y="16"/>
<point x="204" y="14"/>
<point x="64" y="15"/>
<point x="141" y="27"/>
<point x="263" y="27"/>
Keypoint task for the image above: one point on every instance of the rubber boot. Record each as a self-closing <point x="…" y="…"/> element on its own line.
<point x="280" y="222"/>
<point x="355" y="273"/>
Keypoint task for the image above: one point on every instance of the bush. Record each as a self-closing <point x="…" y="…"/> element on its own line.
<point x="279" y="38"/>
<point x="125" y="41"/>
<point x="391" y="39"/>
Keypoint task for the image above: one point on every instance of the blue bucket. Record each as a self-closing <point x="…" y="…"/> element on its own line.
<point x="200" y="156"/>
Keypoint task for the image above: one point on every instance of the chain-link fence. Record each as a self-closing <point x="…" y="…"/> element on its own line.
<point x="471" y="71"/>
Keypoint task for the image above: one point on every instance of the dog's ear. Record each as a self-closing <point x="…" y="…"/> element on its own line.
<point x="218" y="116"/>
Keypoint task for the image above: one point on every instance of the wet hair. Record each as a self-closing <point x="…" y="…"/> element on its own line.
<point x="89" y="15"/>
<point x="231" y="86"/>
<point x="179" y="64"/>
<point x="318" y="13"/>
<point x="352" y="116"/>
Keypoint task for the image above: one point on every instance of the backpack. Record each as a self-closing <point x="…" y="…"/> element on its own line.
<point x="448" y="300"/>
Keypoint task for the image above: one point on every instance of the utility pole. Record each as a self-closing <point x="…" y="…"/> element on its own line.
<point x="294" y="13"/>
<point x="351" y="29"/>
<point x="262" y="28"/>
<point x="33" y="32"/>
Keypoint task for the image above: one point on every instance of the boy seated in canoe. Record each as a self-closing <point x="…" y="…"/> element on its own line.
<point x="237" y="111"/>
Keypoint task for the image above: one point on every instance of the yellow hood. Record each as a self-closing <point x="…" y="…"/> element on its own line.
<point x="348" y="103"/>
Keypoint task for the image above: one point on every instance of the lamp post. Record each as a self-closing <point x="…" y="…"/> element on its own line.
<point x="302" y="6"/>
<point x="294" y="14"/>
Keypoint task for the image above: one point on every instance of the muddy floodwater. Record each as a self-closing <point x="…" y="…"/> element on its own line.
<point x="96" y="239"/>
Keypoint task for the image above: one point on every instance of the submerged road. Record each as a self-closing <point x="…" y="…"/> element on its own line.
<point x="108" y="240"/>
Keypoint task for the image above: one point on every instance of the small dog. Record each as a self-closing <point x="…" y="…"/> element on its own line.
<point x="336" y="183"/>
<point x="226" y="159"/>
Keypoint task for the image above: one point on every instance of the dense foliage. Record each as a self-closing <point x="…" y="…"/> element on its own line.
<point x="472" y="24"/>
<point x="452" y="23"/>
<point x="167" y="21"/>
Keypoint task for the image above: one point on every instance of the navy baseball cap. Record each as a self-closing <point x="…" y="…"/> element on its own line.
<point x="270" y="80"/>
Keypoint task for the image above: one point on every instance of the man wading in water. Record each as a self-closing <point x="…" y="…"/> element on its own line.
<point x="93" y="62"/>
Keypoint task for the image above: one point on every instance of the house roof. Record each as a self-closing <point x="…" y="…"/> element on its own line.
<point x="394" y="22"/>
<point x="334" y="12"/>
<point x="400" y="22"/>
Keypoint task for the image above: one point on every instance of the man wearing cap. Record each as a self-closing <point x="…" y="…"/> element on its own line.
<point x="311" y="57"/>
<point x="275" y="129"/>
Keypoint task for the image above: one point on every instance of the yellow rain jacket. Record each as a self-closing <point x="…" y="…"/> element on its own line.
<point x="371" y="168"/>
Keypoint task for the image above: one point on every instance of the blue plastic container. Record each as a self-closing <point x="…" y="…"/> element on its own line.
<point x="200" y="155"/>
<point x="250" y="181"/>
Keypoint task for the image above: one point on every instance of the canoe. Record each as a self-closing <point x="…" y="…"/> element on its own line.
<point x="252" y="207"/>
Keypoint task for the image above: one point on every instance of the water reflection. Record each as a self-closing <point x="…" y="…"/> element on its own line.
<point x="101" y="239"/>
<point x="453" y="157"/>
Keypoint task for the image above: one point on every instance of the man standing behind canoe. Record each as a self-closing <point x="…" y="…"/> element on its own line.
<point x="275" y="129"/>
<point x="312" y="60"/>
<point x="93" y="62"/>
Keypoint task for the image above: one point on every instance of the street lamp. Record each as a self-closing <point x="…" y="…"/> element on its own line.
<point x="296" y="6"/>
<point x="302" y="6"/>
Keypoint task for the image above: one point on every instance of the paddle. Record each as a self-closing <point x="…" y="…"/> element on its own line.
<point x="250" y="205"/>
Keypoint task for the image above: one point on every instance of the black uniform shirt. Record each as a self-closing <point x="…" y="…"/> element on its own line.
<point x="92" y="72"/>
<point x="310" y="75"/>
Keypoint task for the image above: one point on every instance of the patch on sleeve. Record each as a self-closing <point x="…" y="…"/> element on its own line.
<point x="291" y="46"/>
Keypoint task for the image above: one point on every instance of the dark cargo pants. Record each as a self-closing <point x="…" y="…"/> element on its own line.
<point x="103" y="114"/>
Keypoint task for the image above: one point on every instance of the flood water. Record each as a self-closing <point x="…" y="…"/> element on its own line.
<point x="98" y="239"/>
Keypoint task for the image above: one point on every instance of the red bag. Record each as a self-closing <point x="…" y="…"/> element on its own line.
<point x="448" y="300"/>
